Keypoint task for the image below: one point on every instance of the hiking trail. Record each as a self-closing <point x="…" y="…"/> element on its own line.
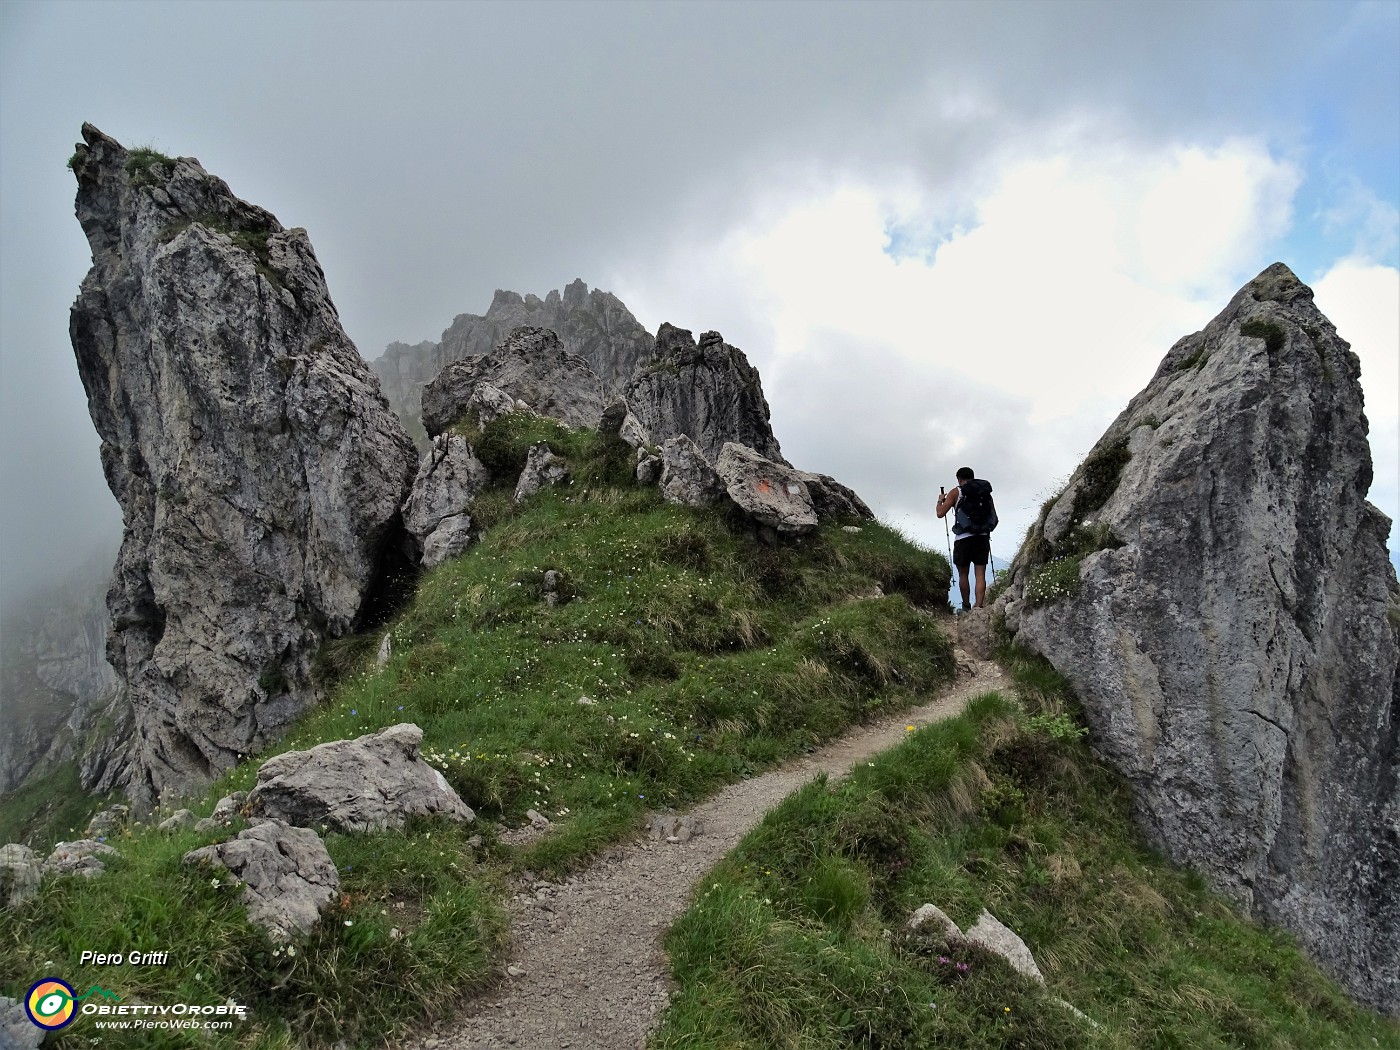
<point x="587" y="970"/>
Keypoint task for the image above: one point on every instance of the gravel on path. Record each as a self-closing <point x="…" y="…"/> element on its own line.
<point x="587" y="971"/>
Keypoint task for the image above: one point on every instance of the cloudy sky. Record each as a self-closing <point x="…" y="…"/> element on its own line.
<point x="946" y="233"/>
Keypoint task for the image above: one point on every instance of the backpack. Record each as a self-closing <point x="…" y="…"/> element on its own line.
<point x="977" y="514"/>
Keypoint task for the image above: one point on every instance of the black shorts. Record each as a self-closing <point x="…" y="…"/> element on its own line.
<point x="972" y="550"/>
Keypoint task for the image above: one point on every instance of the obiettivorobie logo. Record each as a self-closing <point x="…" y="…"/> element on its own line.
<point x="52" y="1004"/>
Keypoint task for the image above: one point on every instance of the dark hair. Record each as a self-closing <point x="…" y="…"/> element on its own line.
<point x="965" y="474"/>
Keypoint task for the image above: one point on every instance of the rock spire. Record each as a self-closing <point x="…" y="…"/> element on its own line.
<point x="259" y="470"/>
<point x="1217" y="588"/>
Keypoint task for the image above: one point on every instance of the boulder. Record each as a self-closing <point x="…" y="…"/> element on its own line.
<point x="17" y="1031"/>
<point x="542" y="469"/>
<point x="83" y="857"/>
<point x="438" y="509"/>
<point x="20" y="871"/>
<point x="832" y="500"/>
<point x="933" y="917"/>
<point x="531" y="366"/>
<point x="708" y="392"/>
<point x="178" y="821"/>
<point x="649" y="468"/>
<point x="687" y="479"/>
<point x="372" y="782"/>
<point x="1217" y="589"/>
<point x="107" y="821"/>
<point x="259" y="471"/>
<point x="771" y="493"/>
<point x="288" y="878"/>
<point x="229" y="807"/>
<point x="989" y="932"/>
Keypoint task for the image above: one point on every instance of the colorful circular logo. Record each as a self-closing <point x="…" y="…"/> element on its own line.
<point x="50" y="1004"/>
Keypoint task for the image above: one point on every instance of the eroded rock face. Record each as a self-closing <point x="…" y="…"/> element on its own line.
<point x="438" y="511"/>
<point x="594" y="325"/>
<point x="258" y="468"/>
<point x="372" y="782"/>
<point x="708" y="392"/>
<point x="1235" y="639"/>
<point x="288" y="877"/>
<point x="531" y="366"/>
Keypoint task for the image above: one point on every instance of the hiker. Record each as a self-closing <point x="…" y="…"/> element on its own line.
<point x="972" y="529"/>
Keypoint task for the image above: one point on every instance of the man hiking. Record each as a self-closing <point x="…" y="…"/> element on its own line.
<point x="972" y="529"/>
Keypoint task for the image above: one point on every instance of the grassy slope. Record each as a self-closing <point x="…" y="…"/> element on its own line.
<point x="708" y="655"/>
<point x="798" y="941"/>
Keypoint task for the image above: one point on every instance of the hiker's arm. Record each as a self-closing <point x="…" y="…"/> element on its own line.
<point x="948" y="502"/>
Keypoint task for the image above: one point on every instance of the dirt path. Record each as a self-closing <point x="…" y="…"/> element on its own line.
<point x="588" y="971"/>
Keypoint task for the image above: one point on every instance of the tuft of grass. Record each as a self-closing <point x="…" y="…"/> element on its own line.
<point x="1099" y="478"/>
<point x="1273" y="336"/>
<point x="798" y="938"/>
<point x="140" y="164"/>
<point x="1197" y="360"/>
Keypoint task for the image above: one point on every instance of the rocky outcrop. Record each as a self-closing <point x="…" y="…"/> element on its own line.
<point x="1216" y="587"/>
<point x="709" y="392"/>
<point x="372" y="782"/>
<point x="438" y="509"/>
<point x="771" y="493"/>
<point x="531" y="366"/>
<point x="593" y="325"/>
<point x="258" y="468"/>
<point x="287" y="875"/>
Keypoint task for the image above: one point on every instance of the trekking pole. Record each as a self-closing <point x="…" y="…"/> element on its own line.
<point x="946" y="534"/>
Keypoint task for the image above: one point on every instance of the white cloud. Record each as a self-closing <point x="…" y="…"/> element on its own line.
<point x="1362" y="299"/>
<point x="1010" y="341"/>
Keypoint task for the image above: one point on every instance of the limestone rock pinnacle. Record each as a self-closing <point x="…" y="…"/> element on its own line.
<point x="259" y="470"/>
<point x="1217" y="588"/>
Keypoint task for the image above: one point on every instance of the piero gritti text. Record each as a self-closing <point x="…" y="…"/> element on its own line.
<point x="123" y="958"/>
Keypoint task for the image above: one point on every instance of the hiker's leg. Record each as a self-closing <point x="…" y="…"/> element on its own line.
<point x="963" y="585"/>
<point x="981" y="585"/>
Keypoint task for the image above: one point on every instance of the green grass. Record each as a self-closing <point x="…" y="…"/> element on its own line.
<point x="706" y="655"/>
<point x="798" y="938"/>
